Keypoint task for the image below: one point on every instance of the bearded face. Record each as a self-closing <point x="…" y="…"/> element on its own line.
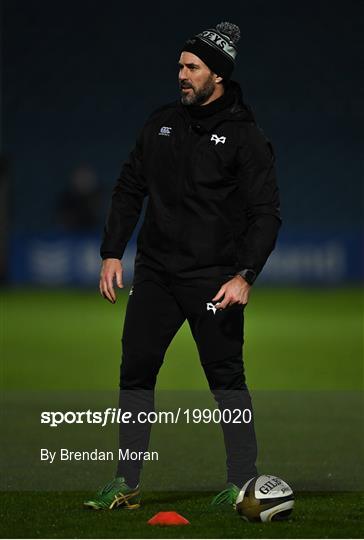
<point x="196" y="94"/>
<point x="197" y="82"/>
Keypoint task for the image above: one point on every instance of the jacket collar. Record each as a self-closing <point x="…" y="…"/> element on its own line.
<point x="230" y="106"/>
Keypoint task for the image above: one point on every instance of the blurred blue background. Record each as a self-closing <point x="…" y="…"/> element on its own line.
<point x="80" y="78"/>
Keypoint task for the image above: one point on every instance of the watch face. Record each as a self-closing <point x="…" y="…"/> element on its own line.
<point x="248" y="275"/>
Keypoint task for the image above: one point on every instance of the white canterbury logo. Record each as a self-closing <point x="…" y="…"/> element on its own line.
<point x="217" y="139"/>
<point x="165" y="130"/>
<point x="212" y="307"/>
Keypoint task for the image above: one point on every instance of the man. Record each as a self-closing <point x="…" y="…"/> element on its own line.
<point x="211" y="222"/>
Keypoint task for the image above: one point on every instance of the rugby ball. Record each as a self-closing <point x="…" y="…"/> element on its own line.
<point x="265" y="498"/>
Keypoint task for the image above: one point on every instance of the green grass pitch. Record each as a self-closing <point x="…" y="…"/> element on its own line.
<point x="60" y="515"/>
<point x="295" y="340"/>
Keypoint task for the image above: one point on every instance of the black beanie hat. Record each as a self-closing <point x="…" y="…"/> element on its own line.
<point x="217" y="47"/>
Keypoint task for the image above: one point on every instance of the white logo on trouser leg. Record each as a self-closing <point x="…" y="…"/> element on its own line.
<point x="217" y="139"/>
<point x="212" y="307"/>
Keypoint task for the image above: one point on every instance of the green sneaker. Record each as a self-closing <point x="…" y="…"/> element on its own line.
<point x="228" y="496"/>
<point x="116" y="493"/>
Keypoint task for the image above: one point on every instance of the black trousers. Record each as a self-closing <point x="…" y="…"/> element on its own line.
<point x="157" y="307"/>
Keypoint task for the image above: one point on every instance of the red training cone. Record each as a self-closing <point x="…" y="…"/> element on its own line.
<point x="167" y="519"/>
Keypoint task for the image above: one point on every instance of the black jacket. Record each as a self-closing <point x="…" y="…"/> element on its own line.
<point x="213" y="203"/>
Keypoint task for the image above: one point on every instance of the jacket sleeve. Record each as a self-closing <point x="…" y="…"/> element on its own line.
<point x="126" y="204"/>
<point x="260" y="196"/>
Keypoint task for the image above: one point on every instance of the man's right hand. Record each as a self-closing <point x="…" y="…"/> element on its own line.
<point x="111" y="269"/>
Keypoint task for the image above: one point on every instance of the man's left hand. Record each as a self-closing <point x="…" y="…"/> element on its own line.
<point x="235" y="291"/>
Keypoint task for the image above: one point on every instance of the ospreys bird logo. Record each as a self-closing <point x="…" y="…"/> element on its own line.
<point x="217" y="139"/>
<point x="212" y="307"/>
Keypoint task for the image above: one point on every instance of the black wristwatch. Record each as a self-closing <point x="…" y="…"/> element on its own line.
<point x="248" y="274"/>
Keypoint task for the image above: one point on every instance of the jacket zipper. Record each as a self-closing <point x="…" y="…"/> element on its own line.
<point x="184" y="176"/>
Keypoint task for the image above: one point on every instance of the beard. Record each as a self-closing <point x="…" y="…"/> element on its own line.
<point x="198" y="97"/>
